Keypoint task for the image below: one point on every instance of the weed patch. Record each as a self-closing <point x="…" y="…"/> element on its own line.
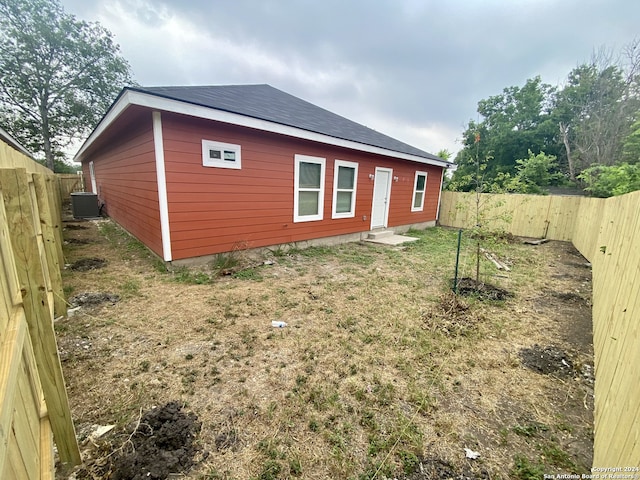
<point x="524" y="469"/>
<point x="191" y="277"/>
<point x="436" y="468"/>
<point x="452" y="316"/>
<point x="530" y="429"/>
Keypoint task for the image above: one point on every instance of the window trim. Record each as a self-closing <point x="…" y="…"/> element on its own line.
<point x="415" y="191"/>
<point x="336" y="168"/>
<point x="221" y="163"/>
<point x="296" y="188"/>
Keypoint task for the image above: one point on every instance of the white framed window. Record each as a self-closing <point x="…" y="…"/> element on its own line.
<point x="419" y="188"/>
<point x="345" y="181"/>
<point x="308" y="200"/>
<point x="221" y="155"/>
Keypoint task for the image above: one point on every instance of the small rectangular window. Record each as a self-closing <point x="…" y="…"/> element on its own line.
<point x="419" y="189"/>
<point x="345" y="180"/>
<point x="221" y="155"/>
<point x="308" y="200"/>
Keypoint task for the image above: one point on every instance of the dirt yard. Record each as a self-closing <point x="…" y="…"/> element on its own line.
<point x="380" y="372"/>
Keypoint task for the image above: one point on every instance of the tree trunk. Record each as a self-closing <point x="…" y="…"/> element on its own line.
<point x="564" y="131"/>
<point x="478" y="192"/>
<point x="48" y="154"/>
<point x="478" y="260"/>
<point x="46" y="139"/>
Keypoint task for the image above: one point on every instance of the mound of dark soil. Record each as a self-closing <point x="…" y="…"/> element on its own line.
<point x="435" y="469"/>
<point x="483" y="291"/>
<point x="77" y="241"/>
<point x="163" y="444"/>
<point x="90" y="299"/>
<point x="85" y="264"/>
<point x="73" y="226"/>
<point x="568" y="296"/>
<point x="547" y="360"/>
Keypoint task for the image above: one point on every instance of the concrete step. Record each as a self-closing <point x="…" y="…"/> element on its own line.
<point x="392" y="240"/>
<point x="378" y="234"/>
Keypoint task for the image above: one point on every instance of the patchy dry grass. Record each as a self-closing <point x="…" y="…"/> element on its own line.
<point x="380" y="367"/>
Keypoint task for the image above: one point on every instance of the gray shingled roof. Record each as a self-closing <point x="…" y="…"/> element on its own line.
<point x="265" y="102"/>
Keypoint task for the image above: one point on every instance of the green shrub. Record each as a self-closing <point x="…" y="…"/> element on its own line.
<point x="606" y="181"/>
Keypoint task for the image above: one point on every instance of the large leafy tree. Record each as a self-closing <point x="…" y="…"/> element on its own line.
<point x="595" y="109"/>
<point x="631" y="146"/>
<point x="57" y="75"/>
<point x="592" y="120"/>
<point x="513" y="123"/>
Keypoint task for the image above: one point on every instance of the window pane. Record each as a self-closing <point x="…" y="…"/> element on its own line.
<point x="346" y="177"/>
<point x="308" y="203"/>
<point x="417" y="202"/>
<point x="310" y="175"/>
<point x="420" y="182"/>
<point x="214" y="154"/>
<point x="229" y="156"/>
<point x="343" y="202"/>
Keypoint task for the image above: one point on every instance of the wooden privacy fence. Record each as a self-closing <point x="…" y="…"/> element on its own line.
<point x="33" y="398"/>
<point x="69" y="183"/>
<point x="523" y="215"/>
<point x="607" y="233"/>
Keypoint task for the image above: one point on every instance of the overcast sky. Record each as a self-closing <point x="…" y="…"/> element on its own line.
<point x="412" y="69"/>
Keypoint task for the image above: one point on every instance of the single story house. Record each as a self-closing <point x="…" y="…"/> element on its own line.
<point x="194" y="171"/>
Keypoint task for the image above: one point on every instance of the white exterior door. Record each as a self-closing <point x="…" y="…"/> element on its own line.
<point x="381" y="195"/>
<point x="92" y="175"/>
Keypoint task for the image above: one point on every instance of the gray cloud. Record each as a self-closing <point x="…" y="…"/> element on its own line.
<point x="410" y="66"/>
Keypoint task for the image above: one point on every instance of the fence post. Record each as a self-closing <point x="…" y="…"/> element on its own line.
<point x="455" y="276"/>
<point x="39" y="312"/>
<point x="53" y="190"/>
<point x="46" y="211"/>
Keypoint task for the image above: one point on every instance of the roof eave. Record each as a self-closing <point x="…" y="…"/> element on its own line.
<point x="132" y="96"/>
<point x="119" y="105"/>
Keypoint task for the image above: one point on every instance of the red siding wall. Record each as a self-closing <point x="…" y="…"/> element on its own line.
<point x="213" y="210"/>
<point x="125" y="171"/>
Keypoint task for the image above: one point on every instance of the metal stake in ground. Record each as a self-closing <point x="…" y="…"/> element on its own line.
<point x="455" y="277"/>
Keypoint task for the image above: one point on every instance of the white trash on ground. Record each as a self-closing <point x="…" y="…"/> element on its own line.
<point x="471" y="454"/>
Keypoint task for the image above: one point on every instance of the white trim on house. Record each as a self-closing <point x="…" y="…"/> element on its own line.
<point x="416" y="191"/>
<point x="440" y="195"/>
<point x="229" y="155"/>
<point x="297" y="189"/>
<point x="352" y="210"/>
<point x="387" y="199"/>
<point x="130" y="97"/>
<point x="163" y="205"/>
